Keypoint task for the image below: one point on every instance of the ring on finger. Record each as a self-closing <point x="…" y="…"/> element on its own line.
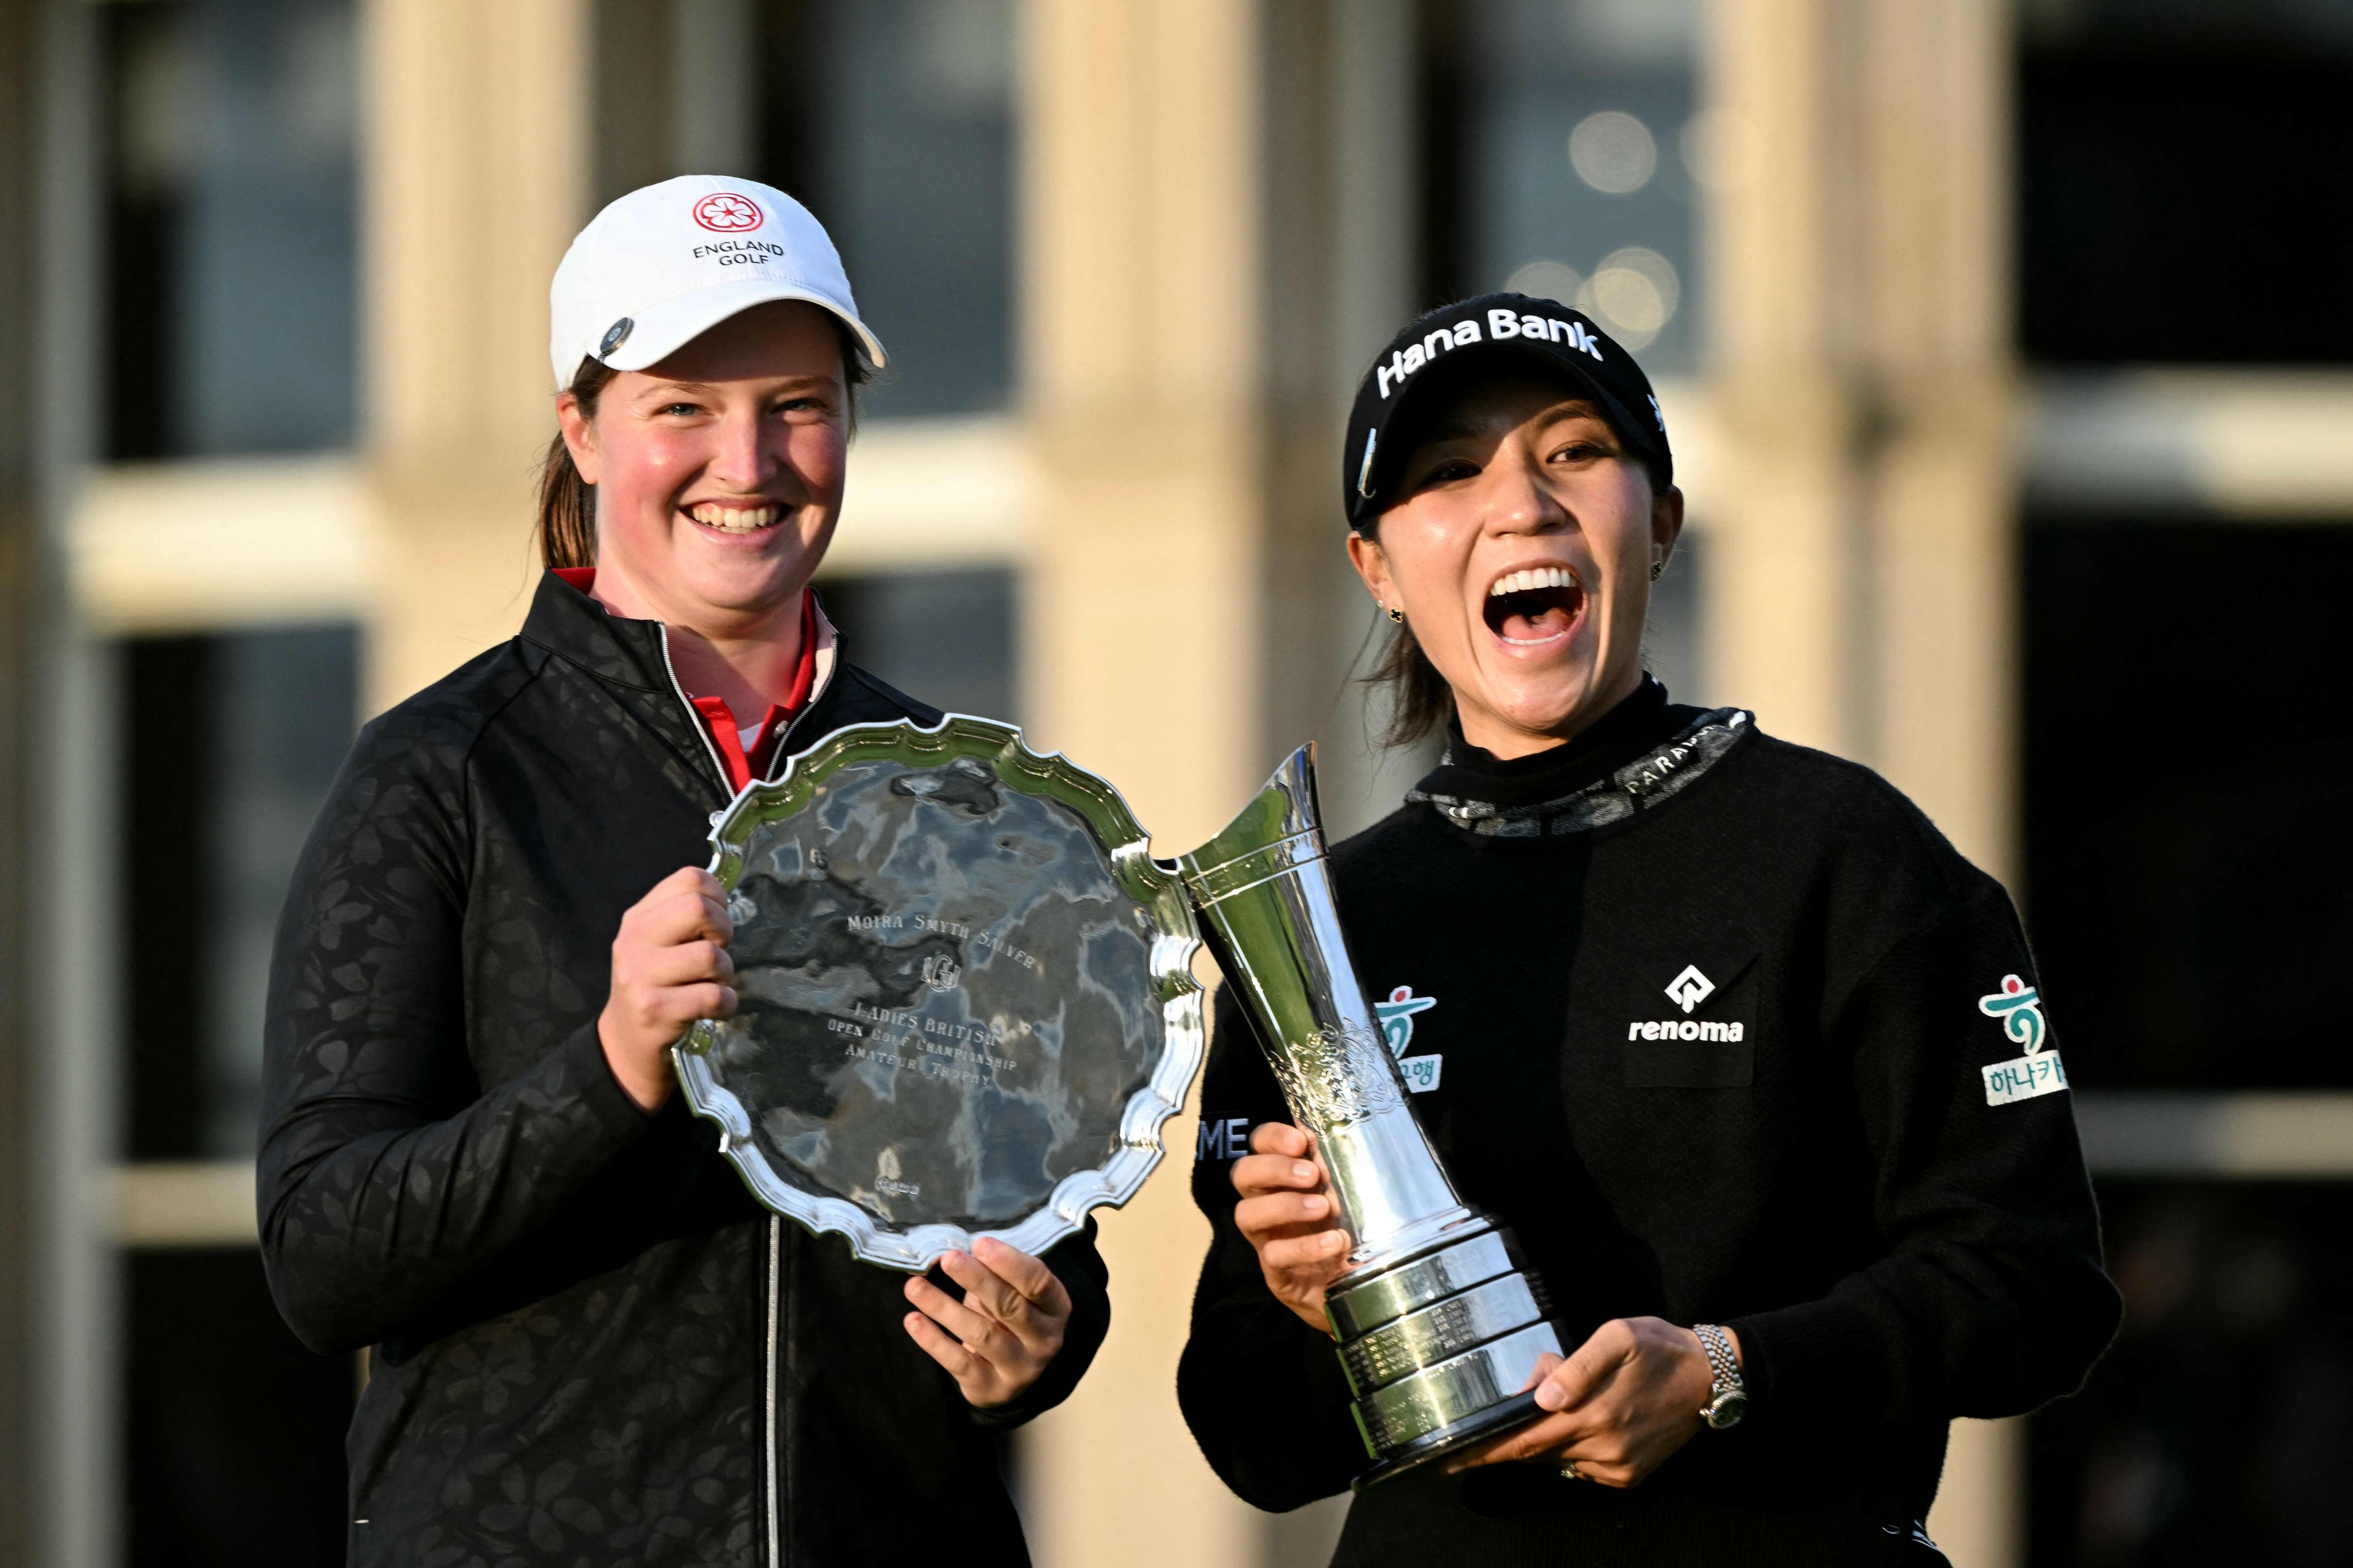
<point x="1569" y="1472"/>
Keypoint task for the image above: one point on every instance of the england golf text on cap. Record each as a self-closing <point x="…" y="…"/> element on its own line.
<point x="742" y="252"/>
<point x="1501" y="324"/>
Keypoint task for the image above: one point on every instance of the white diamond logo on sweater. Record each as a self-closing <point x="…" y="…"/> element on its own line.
<point x="1690" y="988"/>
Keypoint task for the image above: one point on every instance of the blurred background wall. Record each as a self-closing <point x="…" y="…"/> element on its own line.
<point x="2009" y="354"/>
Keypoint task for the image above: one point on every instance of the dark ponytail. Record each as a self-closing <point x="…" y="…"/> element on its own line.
<point x="567" y="503"/>
<point x="1420" y="701"/>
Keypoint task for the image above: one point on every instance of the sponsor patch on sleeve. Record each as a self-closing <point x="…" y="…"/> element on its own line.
<point x="2018" y="1006"/>
<point x="1396" y="1015"/>
<point x="2024" y="1078"/>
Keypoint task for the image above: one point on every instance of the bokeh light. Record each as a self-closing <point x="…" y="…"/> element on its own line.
<point x="1554" y="280"/>
<point x="1633" y="294"/>
<point x="1613" y="151"/>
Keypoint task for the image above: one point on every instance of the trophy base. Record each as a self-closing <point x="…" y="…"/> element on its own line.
<point x="1441" y="1346"/>
<point x="1481" y="1426"/>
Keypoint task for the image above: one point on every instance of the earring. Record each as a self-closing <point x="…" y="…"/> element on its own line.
<point x="1393" y="612"/>
<point x="1657" y="567"/>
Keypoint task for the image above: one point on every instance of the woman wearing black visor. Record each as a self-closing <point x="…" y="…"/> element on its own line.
<point x="1747" y="1056"/>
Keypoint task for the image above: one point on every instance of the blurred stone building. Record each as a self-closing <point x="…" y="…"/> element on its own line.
<point x="2009" y="354"/>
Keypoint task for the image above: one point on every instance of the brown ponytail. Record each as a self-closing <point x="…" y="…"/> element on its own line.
<point x="567" y="503"/>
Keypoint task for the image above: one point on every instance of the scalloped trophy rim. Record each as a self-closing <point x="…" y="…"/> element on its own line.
<point x="1126" y="846"/>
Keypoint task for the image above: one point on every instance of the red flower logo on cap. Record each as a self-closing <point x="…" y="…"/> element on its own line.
<point x="724" y="212"/>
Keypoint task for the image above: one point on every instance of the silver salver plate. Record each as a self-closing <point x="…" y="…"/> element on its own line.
<point x="967" y="1002"/>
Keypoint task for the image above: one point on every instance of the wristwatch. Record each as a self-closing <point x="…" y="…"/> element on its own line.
<point x="1728" y="1399"/>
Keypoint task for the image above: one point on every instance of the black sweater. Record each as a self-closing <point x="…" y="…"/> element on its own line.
<point x="592" y="1345"/>
<point x="1822" y="1171"/>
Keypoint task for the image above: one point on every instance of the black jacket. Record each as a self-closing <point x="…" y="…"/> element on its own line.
<point x="591" y="1345"/>
<point x="1820" y="1170"/>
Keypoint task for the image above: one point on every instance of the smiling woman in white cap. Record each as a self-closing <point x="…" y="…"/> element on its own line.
<point x="1747" y="1056"/>
<point x="589" y="1343"/>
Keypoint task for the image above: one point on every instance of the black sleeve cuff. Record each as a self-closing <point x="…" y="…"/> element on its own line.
<point x="1081" y="1268"/>
<point x="1807" y="1361"/>
<point x="1268" y="1404"/>
<point x="586" y="1070"/>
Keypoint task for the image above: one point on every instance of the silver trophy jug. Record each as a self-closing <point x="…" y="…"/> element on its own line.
<point x="1438" y="1326"/>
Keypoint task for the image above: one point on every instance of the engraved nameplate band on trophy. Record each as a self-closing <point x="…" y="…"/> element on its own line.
<point x="1439" y="1327"/>
<point x="966" y="995"/>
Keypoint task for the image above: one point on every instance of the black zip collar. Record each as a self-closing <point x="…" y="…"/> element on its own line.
<point x="571" y="626"/>
<point x="1639" y="754"/>
<point x="635" y="654"/>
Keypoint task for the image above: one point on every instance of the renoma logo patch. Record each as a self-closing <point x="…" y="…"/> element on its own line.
<point x="724" y="212"/>
<point x="1690" y="988"/>
<point x="2037" y="1073"/>
<point x="1709" y="1039"/>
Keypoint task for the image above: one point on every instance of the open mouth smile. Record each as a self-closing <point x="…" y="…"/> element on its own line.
<point x="1531" y="608"/>
<point x="720" y="517"/>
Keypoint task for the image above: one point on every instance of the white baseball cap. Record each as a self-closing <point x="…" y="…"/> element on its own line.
<point x="666" y="263"/>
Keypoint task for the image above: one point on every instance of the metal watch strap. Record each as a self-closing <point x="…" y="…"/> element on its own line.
<point x="1729" y="1395"/>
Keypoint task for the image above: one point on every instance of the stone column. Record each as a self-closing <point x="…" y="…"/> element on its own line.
<point x="1943" y="494"/>
<point x="478" y="158"/>
<point x="1780" y="629"/>
<point x="1144" y="647"/>
<point x="62" y="1449"/>
<point x="1857" y="249"/>
<point x="1861" y="588"/>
